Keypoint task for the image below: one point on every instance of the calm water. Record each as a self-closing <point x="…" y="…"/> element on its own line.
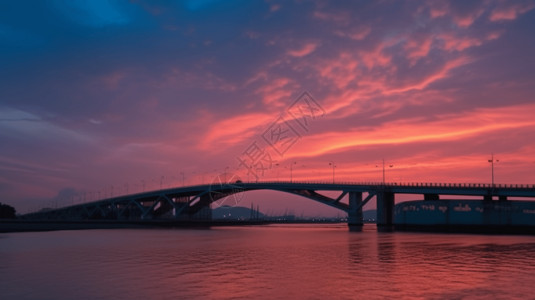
<point x="270" y="262"/>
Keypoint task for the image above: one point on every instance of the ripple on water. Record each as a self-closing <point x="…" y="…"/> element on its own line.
<point x="302" y="262"/>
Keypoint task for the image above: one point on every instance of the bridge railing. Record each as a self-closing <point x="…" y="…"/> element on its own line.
<point x="402" y="184"/>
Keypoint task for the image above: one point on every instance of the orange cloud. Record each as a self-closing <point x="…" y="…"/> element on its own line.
<point x="233" y="130"/>
<point x="446" y="128"/>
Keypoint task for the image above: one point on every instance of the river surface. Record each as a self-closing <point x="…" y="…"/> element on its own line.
<point x="264" y="262"/>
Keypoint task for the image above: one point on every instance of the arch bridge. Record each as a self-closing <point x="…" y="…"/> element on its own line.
<point x="192" y="203"/>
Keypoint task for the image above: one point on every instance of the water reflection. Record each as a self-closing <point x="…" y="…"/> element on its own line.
<point x="302" y="262"/>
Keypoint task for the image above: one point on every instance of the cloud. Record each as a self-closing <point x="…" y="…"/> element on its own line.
<point x="438" y="9"/>
<point x="508" y="11"/>
<point x="448" y="127"/>
<point x="19" y="124"/>
<point x="418" y="48"/>
<point x="234" y="130"/>
<point x="339" y="18"/>
<point x="357" y="34"/>
<point x="304" y="50"/>
<point x="439" y="74"/>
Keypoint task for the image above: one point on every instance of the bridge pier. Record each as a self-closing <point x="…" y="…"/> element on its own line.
<point x="431" y="197"/>
<point x="385" y="210"/>
<point x="354" y="215"/>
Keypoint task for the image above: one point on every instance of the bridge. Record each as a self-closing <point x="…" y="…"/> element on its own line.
<point x="190" y="203"/>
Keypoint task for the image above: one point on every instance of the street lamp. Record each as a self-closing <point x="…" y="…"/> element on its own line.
<point x="390" y="166"/>
<point x="291" y="170"/>
<point x="491" y="161"/>
<point x="183" y="178"/>
<point x="334" y="166"/>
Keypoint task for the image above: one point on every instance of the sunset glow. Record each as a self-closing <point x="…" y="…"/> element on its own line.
<point x="119" y="96"/>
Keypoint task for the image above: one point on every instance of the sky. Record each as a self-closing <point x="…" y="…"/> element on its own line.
<point x="101" y="98"/>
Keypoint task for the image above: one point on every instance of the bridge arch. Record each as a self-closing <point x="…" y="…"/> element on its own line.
<point x="306" y="194"/>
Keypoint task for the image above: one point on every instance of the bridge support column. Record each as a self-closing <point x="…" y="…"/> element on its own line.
<point x="385" y="210"/>
<point x="431" y="197"/>
<point x="354" y="216"/>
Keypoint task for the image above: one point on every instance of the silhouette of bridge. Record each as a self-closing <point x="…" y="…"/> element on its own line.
<point x="190" y="203"/>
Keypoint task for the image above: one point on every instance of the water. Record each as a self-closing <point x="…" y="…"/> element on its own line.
<point x="264" y="262"/>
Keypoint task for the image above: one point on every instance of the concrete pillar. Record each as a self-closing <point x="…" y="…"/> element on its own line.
<point x="354" y="216"/>
<point x="385" y="209"/>
<point x="431" y="197"/>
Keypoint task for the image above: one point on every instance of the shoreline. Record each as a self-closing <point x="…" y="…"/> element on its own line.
<point x="14" y="225"/>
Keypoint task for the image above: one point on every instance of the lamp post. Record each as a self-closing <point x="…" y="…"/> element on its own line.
<point x="291" y="170"/>
<point x="491" y="161"/>
<point x="390" y="166"/>
<point x="334" y="166"/>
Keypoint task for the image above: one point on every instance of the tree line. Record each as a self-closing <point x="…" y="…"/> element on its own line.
<point x="7" y="211"/>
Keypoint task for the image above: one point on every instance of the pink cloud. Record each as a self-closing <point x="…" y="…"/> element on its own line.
<point x="339" y="71"/>
<point x="376" y="57"/>
<point x="304" y="50"/>
<point x="277" y="92"/>
<point x="438" y="9"/>
<point x="453" y="43"/>
<point x="450" y="42"/>
<point x="508" y="11"/>
<point x="436" y="76"/>
<point x="418" y="48"/>
<point x="466" y="20"/>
